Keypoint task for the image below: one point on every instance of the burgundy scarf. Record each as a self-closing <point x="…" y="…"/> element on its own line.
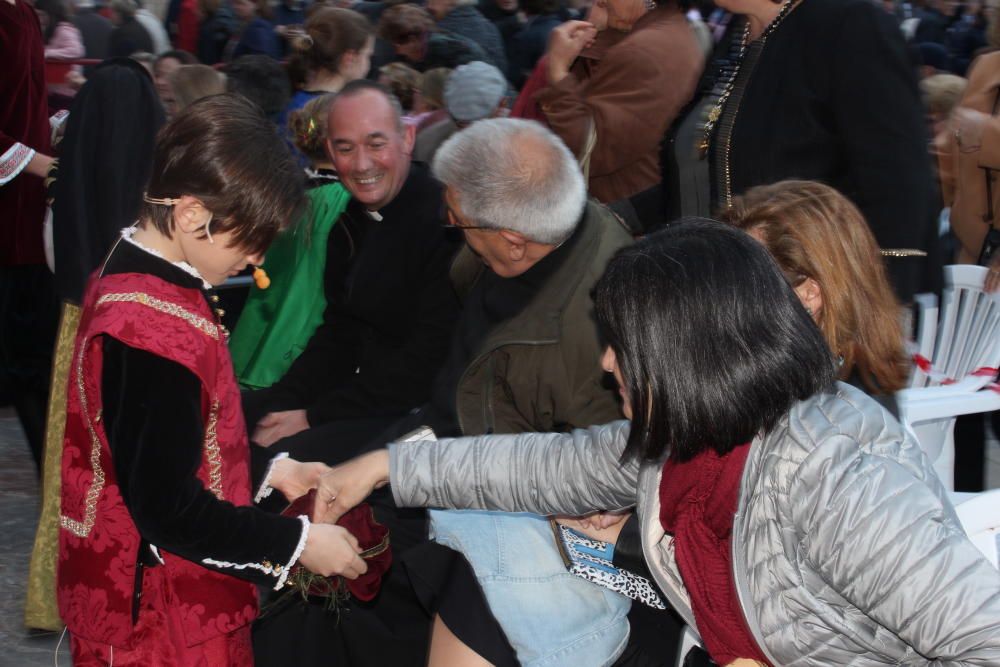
<point x="698" y="500"/>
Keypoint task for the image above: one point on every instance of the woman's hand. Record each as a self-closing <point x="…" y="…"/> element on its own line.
<point x="565" y="44"/>
<point x="346" y="485"/>
<point x="294" y="479"/>
<point x="332" y="550"/>
<point x="603" y="526"/>
<point x="993" y="277"/>
<point x="967" y="126"/>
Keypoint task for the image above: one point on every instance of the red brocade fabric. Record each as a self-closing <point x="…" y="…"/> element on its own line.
<point x="160" y="638"/>
<point x="98" y="542"/>
<point x="373" y="538"/>
<point x="698" y="501"/>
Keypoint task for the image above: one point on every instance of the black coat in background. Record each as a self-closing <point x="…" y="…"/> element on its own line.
<point x="104" y="164"/>
<point x="128" y="38"/>
<point x="834" y="98"/>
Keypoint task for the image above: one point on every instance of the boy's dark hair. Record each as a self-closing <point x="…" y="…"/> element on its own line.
<point x="222" y="150"/>
<point x="712" y="343"/>
<point x="260" y="79"/>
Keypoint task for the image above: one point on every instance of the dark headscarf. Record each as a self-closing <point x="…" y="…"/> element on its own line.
<point x="104" y="165"/>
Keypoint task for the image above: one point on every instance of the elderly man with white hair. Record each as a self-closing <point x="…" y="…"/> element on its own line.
<point x="524" y="358"/>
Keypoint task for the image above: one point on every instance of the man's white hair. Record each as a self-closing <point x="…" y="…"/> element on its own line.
<point x="510" y="173"/>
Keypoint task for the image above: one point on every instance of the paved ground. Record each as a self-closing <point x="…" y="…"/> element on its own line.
<point x="18" y="515"/>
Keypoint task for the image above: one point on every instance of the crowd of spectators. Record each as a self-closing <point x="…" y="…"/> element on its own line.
<point x="501" y="217"/>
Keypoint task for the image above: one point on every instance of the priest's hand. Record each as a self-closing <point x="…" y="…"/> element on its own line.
<point x="347" y="485"/>
<point x="277" y="425"/>
<point x="332" y="550"/>
<point x="294" y="478"/>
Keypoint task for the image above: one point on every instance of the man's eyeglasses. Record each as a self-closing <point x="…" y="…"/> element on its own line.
<point x="453" y="221"/>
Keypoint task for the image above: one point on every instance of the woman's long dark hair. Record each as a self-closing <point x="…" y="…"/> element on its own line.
<point x="713" y="345"/>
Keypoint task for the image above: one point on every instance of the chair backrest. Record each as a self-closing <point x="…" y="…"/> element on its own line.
<point x="925" y="334"/>
<point x="980" y="517"/>
<point x="967" y="336"/>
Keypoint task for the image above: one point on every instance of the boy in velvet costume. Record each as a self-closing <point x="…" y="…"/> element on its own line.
<point x="160" y="548"/>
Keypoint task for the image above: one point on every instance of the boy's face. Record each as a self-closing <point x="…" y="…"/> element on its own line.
<point x="217" y="260"/>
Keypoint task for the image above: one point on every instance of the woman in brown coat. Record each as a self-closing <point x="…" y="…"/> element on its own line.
<point x="971" y="166"/>
<point x="615" y="84"/>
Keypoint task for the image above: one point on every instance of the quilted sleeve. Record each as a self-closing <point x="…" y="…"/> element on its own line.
<point x="877" y="530"/>
<point x="543" y="473"/>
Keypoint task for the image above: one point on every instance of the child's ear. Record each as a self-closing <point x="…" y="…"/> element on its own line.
<point x="190" y="215"/>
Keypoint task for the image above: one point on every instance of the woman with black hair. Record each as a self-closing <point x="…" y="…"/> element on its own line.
<point x="789" y="519"/>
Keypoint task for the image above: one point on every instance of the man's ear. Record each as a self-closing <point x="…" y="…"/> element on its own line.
<point x="409" y="137"/>
<point x="190" y="215"/>
<point x="517" y="244"/>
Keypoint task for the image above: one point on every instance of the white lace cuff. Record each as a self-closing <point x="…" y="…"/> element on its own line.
<point x="265" y="488"/>
<point x="303" y="538"/>
<point x="13" y="162"/>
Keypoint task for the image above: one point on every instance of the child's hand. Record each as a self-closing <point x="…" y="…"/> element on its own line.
<point x="332" y="550"/>
<point x="277" y="425"/>
<point x="294" y="479"/>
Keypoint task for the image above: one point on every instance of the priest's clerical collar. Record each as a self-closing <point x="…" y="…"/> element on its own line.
<point x="374" y="215"/>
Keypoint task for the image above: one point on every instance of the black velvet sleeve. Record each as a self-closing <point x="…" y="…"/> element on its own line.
<point x="153" y="420"/>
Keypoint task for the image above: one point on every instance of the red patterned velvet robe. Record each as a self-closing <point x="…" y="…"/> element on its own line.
<point x="24" y="129"/>
<point x="99" y="542"/>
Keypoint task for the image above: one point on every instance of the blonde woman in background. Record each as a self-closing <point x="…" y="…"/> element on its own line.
<point x="827" y="252"/>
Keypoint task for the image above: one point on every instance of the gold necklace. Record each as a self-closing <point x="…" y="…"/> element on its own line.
<point x="728" y="82"/>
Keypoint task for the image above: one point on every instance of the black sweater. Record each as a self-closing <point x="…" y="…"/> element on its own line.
<point x="390" y="311"/>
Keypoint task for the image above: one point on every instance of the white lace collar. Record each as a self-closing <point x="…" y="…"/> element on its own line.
<point x="129" y="232"/>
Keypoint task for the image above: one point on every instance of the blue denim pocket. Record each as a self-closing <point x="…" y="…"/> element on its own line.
<point x="550" y="616"/>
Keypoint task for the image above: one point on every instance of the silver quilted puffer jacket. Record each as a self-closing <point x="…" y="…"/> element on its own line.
<point x="846" y="550"/>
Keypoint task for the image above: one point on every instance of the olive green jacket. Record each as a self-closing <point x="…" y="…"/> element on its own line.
<point x="540" y="370"/>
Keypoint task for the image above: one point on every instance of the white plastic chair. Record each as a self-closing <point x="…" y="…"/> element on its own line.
<point x="980" y="517"/>
<point x="966" y="338"/>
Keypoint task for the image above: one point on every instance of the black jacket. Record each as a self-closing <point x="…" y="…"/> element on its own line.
<point x="390" y="311"/>
<point x="834" y="98"/>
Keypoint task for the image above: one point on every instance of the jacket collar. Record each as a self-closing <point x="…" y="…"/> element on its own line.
<point x="547" y="307"/>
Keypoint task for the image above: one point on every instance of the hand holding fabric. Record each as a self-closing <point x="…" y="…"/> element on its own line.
<point x="331" y="550"/>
